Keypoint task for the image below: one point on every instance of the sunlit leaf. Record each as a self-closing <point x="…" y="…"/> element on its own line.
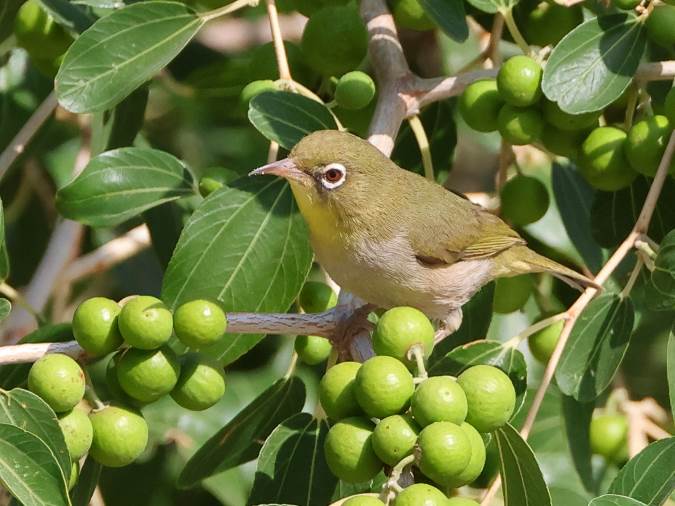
<point x="577" y="428"/>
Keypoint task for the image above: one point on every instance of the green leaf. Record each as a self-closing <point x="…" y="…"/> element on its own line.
<point x="663" y="275"/>
<point x="522" y="481"/>
<point x="4" y="257"/>
<point x="28" y="469"/>
<point x="577" y="417"/>
<point x="86" y="483"/>
<point x="286" y="118"/>
<point x="291" y="466"/>
<point x="614" y="500"/>
<point x="574" y="198"/>
<point x="450" y="17"/>
<point x="69" y="15"/>
<point x="30" y="413"/>
<point x="493" y="6"/>
<point x="14" y="375"/>
<point x="594" y="64"/>
<point x="118" y="127"/>
<point x="121" y="51"/>
<point x="671" y="369"/>
<point x="650" y="475"/>
<point x="561" y="496"/>
<point x="596" y="347"/>
<point x="614" y="214"/>
<point x="5" y="308"/>
<point x="119" y="184"/>
<point x="245" y="246"/>
<point x="240" y="439"/>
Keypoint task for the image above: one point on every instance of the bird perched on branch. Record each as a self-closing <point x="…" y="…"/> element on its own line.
<point x="394" y="238"/>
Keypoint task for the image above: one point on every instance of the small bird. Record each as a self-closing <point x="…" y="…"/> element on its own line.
<point x="394" y="238"/>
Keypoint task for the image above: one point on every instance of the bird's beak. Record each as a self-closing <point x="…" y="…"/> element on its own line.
<point x="285" y="168"/>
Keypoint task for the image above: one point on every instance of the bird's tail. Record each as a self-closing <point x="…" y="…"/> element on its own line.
<point x="522" y="260"/>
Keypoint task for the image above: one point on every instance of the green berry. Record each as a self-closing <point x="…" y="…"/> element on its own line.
<point x="312" y="350"/>
<point x="543" y="343"/>
<point x="626" y="5"/>
<point x="147" y="375"/>
<point x="316" y="297"/>
<point x="480" y="104"/>
<point x="59" y="380"/>
<point x="477" y="460"/>
<point x="354" y="90"/>
<point x="207" y="185"/>
<point x="74" y="474"/>
<point x="383" y="386"/>
<point x="660" y="25"/>
<point x="411" y="15"/>
<point x="401" y="328"/>
<point x="114" y="388"/>
<point x="646" y="142"/>
<point x="394" y="438"/>
<point x="669" y="106"/>
<point x="38" y="33"/>
<point x="77" y="432"/>
<point x="201" y="383"/>
<point x="490" y="396"/>
<point x="609" y="437"/>
<point x="363" y="500"/>
<point x="349" y="451"/>
<point x="145" y="322"/>
<point x="199" y="323"/>
<point x="562" y="120"/>
<point x="549" y="22"/>
<point x="511" y="293"/>
<point x="603" y="162"/>
<point x="461" y="501"/>
<point x="337" y="391"/>
<point x="120" y="436"/>
<point x="562" y="143"/>
<point x="445" y="451"/>
<point x="95" y="326"/>
<point x="520" y="126"/>
<point x="335" y="40"/>
<point x="255" y="88"/>
<point x="420" y="494"/>
<point x="439" y="399"/>
<point x="519" y="81"/>
<point x="524" y="200"/>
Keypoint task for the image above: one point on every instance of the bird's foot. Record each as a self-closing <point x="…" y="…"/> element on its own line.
<point x="448" y="325"/>
<point x="352" y="329"/>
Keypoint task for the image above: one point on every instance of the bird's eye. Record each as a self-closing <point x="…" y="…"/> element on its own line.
<point x="333" y="175"/>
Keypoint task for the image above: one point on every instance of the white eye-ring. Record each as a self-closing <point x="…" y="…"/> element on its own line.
<point x="333" y="175"/>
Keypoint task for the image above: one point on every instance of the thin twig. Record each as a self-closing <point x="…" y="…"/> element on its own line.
<point x="515" y="32"/>
<point x="277" y="38"/>
<point x="423" y="142"/>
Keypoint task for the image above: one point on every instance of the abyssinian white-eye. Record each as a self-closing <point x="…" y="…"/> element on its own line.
<point x="394" y="238"/>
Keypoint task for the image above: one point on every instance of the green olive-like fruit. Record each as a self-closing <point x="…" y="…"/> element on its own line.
<point x="349" y="451"/>
<point x="421" y="494"/>
<point x="207" y="185"/>
<point x="147" y="375"/>
<point x="411" y="15"/>
<point x="77" y="432"/>
<point x="439" y="399"/>
<point x="363" y="500"/>
<point x="519" y="81"/>
<point x="477" y="461"/>
<point x="38" y="33"/>
<point x="660" y="25"/>
<point x="490" y="396"/>
<point x="480" y="104"/>
<point x="520" y="125"/>
<point x="337" y="391"/>
<point x="524" y="200"/>
<point x="512" y="293"/>
<point x="95" y="326"/>
<point x="548" y="22"/>
<point x="383" y="386"/>
<point x="445" y="451"/>
<point x="354" y="90"/>
<point x="609" y="437"/>
<point x="145" y="322"/>
<point x="255" y="88"/>
<point x="543" y="343"/>
<point x="120" y="436"/>
<point x="562" y="143"/>
<point x="401" y="328"/>
<point x="59" y="380"/>
<point x="312" y="350"/>
<point x="646" y="143"/>
<point x="201" y="383"/>
<point x="316" y="297"/>
<point x="199" y="323"/>
<point x="555" y="116"/>
<point x="394" y="438"/>
<point x="74" y="475"/>
<point x="603" y="162"/>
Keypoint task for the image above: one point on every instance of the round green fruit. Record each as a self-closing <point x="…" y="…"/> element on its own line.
<point x="383" y="386"/>
<point x="349" y="450"/>
<point x="609" y="437"/>
<point x="562" y="143"/>
<point x="38" y="33"/>
<point x="439" y="399"/>
<point x="201" y="383"/>
<point x="562" y="120"/>
<point x="316" y="297"/>
<point x="95" y="326"/>
<point x="255" y="88"/>
<point x="354" y="90"/>
<point x="445" y="451"/>
<point x="461" y="501"/>
<point x="337" y="391"/>
<point x="420" y="494"/>
<point x="519" y="81"/>
<point x="477" y="461"/>
<point x="207" y="185"/>
<point x="542" y="343"/>
<point x="511" y="293"/>
<point x="646" y="143"/>
<point x="59" y="380"/>
<point x="549" y="22"/>
<point x="626" y="5"/>
<point x="490" y="396"/>
<point x="147" y="375"/>
<point x="520" y="126"/>
<point x="394" y="438"/>
<point x="411" y="15"/>
<point x="524" y="200"/>
<point x="669" y="106"/>
<point x="199" y="323"/>
<point x="74" y="474"/>
<point x="660" y="25"/>
<point x="603" y="162"/>
<point x="113" y="383"/>
<point x="120" y="436"/>
<point x="77" y="432"/>
<point x="145" y="322"/>
<point x="363" y="500"/>
<point x="480" y="104"/>
<point x="312" y="350"/>
<point x="401" y="328"/>
<point x="335" y="40"/>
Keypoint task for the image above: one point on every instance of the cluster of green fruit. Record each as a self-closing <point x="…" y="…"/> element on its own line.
<point x="436" y="422"/>
<point x="143" y="371"/>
